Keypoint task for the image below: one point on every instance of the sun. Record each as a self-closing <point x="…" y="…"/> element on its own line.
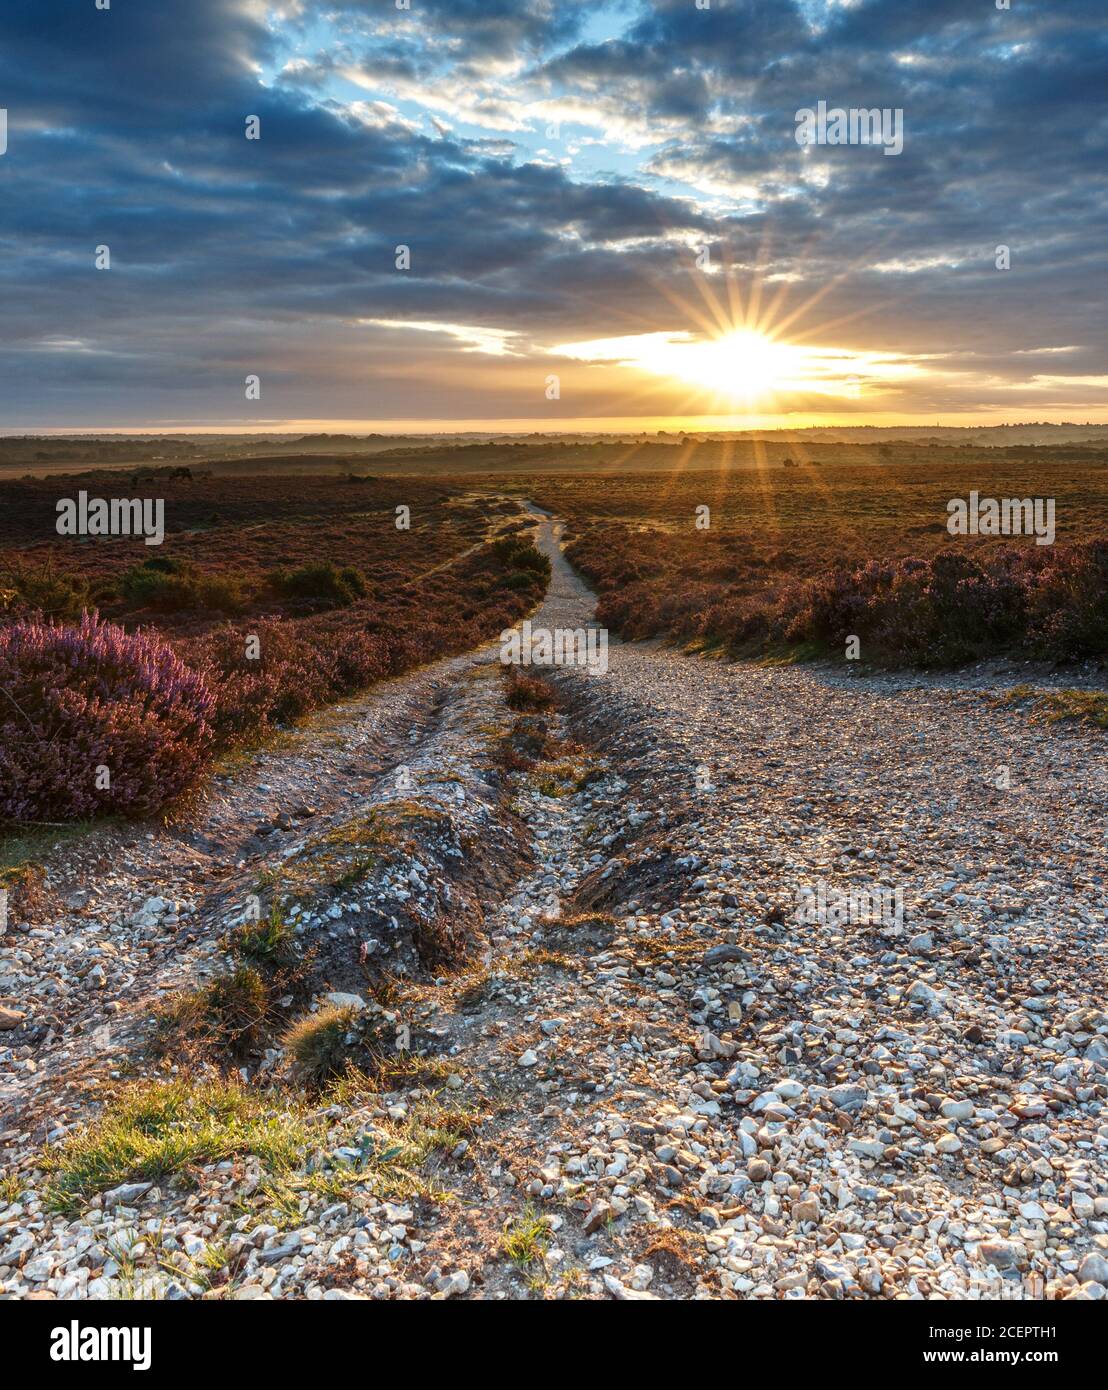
<point x="740" y="365"/>
<point x="749" y="367"/>
<point x="743" y="365"/>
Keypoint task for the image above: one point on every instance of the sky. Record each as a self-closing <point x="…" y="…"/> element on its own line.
<point x="609" y="217"/>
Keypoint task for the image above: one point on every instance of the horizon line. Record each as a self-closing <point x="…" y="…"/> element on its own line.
<point x="579" y="426"/>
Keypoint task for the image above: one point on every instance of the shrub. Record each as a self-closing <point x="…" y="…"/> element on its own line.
<point x="1068" y="603"/>
<point x="954" y="606"/>
<point x="518" y="553"/>
<point x="59" y="724"/>
<point x="957" y="607"/>
<point x="301" y="666"/>
<point x="43" y="589"/>
<point x="321" y="582"/>
<point x="170" y="586"/>
<point x="160" y="583"/>
<point x="92" y="696"/>
<point x="520" y="581"/>
<point x="221" y="593"/>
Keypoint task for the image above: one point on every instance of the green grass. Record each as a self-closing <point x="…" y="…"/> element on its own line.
<point x="153" y="1131"/>
<point x="388" y="1165"/>
<point x="784" y="653"/>
<point x="526" y="1239"/>
<point x="357" y="870"/>
<point x="1084" y="706"/>
<point x="268" y="942"/>
<point x="435" y="1128"/>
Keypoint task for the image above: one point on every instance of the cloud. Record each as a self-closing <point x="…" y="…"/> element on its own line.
<point x="425" y="128"/>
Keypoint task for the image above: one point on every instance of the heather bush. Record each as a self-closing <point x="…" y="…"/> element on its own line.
<point x="300" y="666"/>
<point x="1068" y="602"/>
<point x="288" y="678"/>
<point x="78" y="698"/>
<point x="956" y="607"/>
<point x="528" y="692"/>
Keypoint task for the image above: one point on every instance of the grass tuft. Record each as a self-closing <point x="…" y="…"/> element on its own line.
<point x="152" y="1131"/>
<point x="317" y="1044"/>
<point x="228" y="1015"/>
<point x="267" y="943"/>
<point x="526" y="1239"/>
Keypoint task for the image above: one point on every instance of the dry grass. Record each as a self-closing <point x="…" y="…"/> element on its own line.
<point x="227" y="1017"/>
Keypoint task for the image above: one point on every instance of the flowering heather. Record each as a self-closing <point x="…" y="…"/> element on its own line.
<point x="955" y="607"/>
<point x="278" y="595"/>
<point x="950" y="608"/>
<point x="79" y="699"/>
<point x="308" y="662"/>
<point x="92" y="703"/>
<point x="806" y="559"/>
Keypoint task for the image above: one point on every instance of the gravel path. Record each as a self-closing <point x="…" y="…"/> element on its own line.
<point x="800" y="995"/>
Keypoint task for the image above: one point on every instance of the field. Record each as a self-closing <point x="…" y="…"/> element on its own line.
<point x="240" y="529"/>
<point x="283" y="594"/>
<point x="740" y="573"/>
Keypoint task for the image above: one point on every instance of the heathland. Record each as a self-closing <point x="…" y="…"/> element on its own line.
<point x="771" y="978"/>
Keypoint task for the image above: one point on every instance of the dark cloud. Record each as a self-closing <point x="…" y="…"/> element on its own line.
<point x="126" y="127"/>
